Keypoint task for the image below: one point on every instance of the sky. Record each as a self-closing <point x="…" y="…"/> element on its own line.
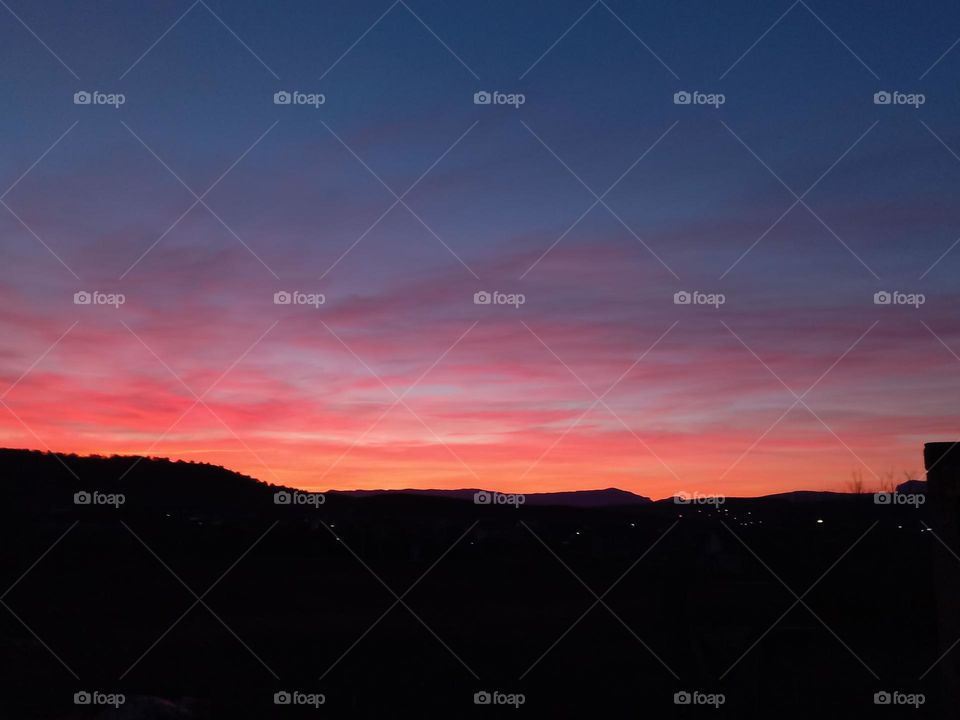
<point x="187" y="204"/>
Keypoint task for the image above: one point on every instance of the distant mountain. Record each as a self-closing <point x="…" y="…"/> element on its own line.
<point x="49" y="481"/>
<point x="608" y="497"/>
<point x="912" y="487"/>
<point x="802" y="496"/>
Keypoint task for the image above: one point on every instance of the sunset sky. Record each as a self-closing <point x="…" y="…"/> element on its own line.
<point x="597" y="199"/>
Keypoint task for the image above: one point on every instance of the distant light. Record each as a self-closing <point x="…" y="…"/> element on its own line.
<point x="819" y="521"/>
<point x="899" y="527"/>
<point x="633" y="525"/>
<point x="578" y="532"/>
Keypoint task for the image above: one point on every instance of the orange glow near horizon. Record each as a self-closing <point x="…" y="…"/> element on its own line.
<point x="501" y="399"/>
<point x="529" y="464"/>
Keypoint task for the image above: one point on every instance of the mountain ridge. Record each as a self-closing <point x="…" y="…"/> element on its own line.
<point x="163" y="482"/>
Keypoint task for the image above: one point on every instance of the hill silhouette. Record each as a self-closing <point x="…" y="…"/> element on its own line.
<point x="50" y="480"/>
<point x="609" y="497"/>
<point x="46" y="479"/>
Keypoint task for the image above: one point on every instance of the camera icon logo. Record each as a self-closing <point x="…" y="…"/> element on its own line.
<point x="482" y="698"/>
<point x="82" y="498"/>
<point x="482" y="497"/>
<point x="282" y="98"/>
<point x="682" y="698"/>
<point x="482" y="98"/>
<point x="882" y="698"/>
<point x="82" y="698"/>
<point x="882" y="298"/>
<point x="282" y="698"/>
<point x="882" y="98"/>
<point x="82" y="98"/>
<point x="82" y="298"/>
<point x="482" y="297"/>
<point x="682" y="98"/>
<point x="282" y="497"/>
<point x="883" y="498"/>
<point x="682" y="297"/>
<point x="282" y="297"/>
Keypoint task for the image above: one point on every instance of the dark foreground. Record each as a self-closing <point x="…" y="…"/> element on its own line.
<point x="201" y="598"/>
